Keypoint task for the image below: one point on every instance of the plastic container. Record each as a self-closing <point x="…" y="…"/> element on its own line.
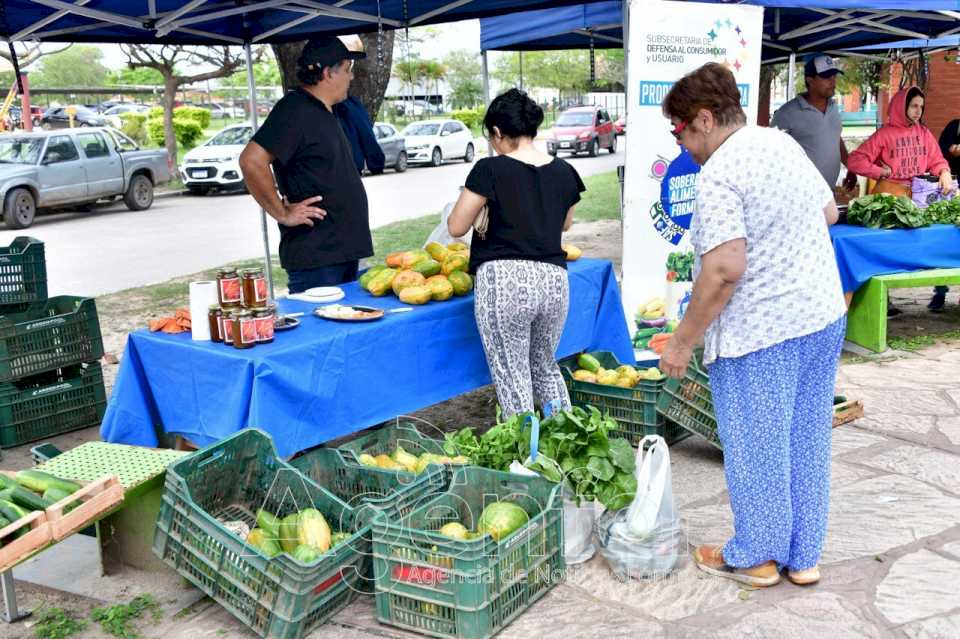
<point x="228" y="482"/>
<point x="59" y="332"/>
<point x="473" y="589"/>
<point x="23" y="272"/>
<point x="688" y="402"/>
<point x="634" y="409"/>
<point x="51" y="403"/>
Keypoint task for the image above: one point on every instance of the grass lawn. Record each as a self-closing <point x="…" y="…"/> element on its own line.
<point x="600" y="202"/>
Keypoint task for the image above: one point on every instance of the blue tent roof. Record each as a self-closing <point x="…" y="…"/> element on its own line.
<point x="938" y="43"/>
<point x="789" y="25"/>
<point x="232" y="21"/>
<point x="558" y="28"/>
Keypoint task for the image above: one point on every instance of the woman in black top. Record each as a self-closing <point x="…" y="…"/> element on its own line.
<point x="522" y="291"/>
<point x="950" y="147"/>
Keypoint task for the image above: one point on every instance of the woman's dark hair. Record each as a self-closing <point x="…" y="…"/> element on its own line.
<point x="514" y="114"/>
<point x="911" y="94"/>
<point x="711" y="87"/>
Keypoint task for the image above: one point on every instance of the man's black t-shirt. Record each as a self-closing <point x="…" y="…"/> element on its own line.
<point x="527" y="204"/>
<point x="313" y="157"/>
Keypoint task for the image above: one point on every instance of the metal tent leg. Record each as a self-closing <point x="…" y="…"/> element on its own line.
<point x="10" y="611"/>
<point x="252" y="87"/>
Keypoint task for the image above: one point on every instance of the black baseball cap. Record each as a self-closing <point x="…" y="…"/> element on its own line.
<point x="821" y="65"/>
<point x="326" y="51"/>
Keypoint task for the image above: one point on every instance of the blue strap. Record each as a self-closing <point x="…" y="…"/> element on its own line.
<point x="534" y="434"/>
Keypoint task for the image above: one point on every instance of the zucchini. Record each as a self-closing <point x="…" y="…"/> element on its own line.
<point x="26" y="499"/>
<point x="6" y="482"/>
<point x="39" y="481"/>
<point x="12" y="513"/>
<point x="53" y="495"/>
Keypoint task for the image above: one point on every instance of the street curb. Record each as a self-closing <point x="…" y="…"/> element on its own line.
<point x="165" y="194"/>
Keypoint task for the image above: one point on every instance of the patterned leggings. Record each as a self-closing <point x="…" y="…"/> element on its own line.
<point x="774" y="411"/>
<point x="520" y="308"/>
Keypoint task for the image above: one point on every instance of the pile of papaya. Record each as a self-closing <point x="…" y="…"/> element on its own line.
<point x="623" y="376"/>
<point x="30" y="490"/>
<point x="435" y="272"/>
<point x="408" y="462"/>
<point x="304" y="535"/>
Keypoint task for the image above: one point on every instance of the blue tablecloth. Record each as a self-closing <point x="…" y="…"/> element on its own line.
<point x="326" y="379"/>
<point x="863" y="253"/>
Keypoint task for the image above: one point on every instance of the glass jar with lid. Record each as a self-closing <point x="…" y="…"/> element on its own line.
<point x="244" y="331"/>
<point x="214" y="319"/>
<point x="253" y="291"/>
<point x="226" y="326"/>
<point x="265" y="318"/>
<point x="228" y="287"/>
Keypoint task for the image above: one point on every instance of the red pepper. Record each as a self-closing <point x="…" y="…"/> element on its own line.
<point x="671" y="276"/>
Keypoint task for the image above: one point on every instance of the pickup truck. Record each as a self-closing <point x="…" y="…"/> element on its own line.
<point x="75" y="168"/>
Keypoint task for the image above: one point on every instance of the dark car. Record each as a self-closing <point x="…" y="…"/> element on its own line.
<point x="59" y="118"/>
<point x="582" y="130"/>
<point x="393" y="145"/>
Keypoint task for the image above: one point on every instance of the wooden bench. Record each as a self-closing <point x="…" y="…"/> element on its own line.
<point x="867" y="317"/>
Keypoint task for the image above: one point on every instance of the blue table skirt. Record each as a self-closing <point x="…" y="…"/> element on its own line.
<point x="862" y="252"/>
<point x="326" y="379"/>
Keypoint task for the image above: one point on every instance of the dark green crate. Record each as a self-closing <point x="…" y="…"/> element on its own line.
<point x="51" y="403"/>
<point x="278" y="598"/>
<point x="688" y="402"/>
<point x="369" y="490"/>
<point x="384" y="440"/>
<point x="473" y="589"/>
<point x="59" y="332"/>
<point x="634" y="409"/>
<point x="23" y="272"/>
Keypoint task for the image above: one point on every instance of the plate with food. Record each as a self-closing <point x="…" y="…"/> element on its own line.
<point x="348" y="313"/>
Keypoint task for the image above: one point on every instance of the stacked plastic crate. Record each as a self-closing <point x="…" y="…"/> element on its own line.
<point x="50" y="376"/>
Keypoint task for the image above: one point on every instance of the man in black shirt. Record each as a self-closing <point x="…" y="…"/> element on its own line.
<point x="322" y="206"/>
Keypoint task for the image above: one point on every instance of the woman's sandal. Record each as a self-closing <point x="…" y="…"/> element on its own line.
<point x="806" y="577"/>
<point x="709" y="559"/>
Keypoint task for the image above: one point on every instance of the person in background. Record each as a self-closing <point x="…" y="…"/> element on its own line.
<point x="359" y="131"/>
<point x="813" y="120"/>
<point x="950" y="147"/>
<point x="522" y="289"/>
<point x="322" y="205"/>
<point x="768" y="304"/>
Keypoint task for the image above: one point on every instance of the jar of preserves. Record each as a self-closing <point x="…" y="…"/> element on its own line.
<point x="214" y="319"/>
<point x="264" y="317"/>
<point x="253" y="291"/>
<point x="228" y="287"/>
<point x="244" y="331"/>
<point x="226" y="326"/>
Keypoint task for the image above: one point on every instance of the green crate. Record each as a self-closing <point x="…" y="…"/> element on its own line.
<point x="688" y="402"/>
<point x="634" y="409"/>
<point x="23" y="272"/>
<point x="369" y="490"/>
<point x="59" y="332"/>
<point x="51" y="403"/>
<point x="473" y="589"/>
<point x="384" y="440"/>
<point x="277" y="598"/>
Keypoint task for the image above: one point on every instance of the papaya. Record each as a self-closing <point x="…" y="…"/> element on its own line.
<point x="256" y="537"/>
<point x="573" y="253"/>
<point x="406" y="279"/>
<point x="454" y="263"/>
<point x="384" y="462"/>
<point x="624" y="382"/>
<point x="428" y="267"/>
<point x="462" y="282"/>
<point x="313" y="529"/>
<point x="288" y="532"/>
<point x="437" y="251"/>
<point x="606" y="377"/>
<point x="368" y="460"/>
<point x="412" y="258"/>
<point x="415" y="294"/>
<point x="440" y="288"/>
<point x="457" y="246"/>
<point x="395" y="260"/>
<point x="583" y="375"/>
<point x="381" y="283"/>
<point x="369" y="275"/>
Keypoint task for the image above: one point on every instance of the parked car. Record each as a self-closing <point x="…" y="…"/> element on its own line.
<point x="59" y="118"/>
<point x="393" y="145"/>
<point x="217" y="112"/>
<point x="215" y="164"/>
<point x="433" y="141"/>
<point x="120" y="109"/>
<point x="76" y="167"/>
<point x="620" y="126"/>
<point x="582" y="130"/>
<point x="233" y="111"/>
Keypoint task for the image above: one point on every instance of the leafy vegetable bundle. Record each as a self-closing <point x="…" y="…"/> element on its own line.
<point x="574" y="447"/>
<point x="885" y="211"/>
<point x="680" y="267"/>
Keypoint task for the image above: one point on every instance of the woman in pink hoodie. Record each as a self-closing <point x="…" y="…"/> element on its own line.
<point x="902" y="149"/>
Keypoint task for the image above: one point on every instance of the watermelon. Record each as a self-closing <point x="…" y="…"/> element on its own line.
<point x="501" y="519"/>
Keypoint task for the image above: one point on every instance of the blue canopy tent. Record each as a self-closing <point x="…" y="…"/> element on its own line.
<point x="948" y="42"/>
<point x="573" y="27"/>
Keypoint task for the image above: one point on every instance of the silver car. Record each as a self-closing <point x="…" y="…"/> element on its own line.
<point x="393" y="146"/>
<point x="75" y="167"/>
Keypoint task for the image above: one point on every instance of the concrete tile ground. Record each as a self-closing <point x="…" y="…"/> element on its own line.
<point x="891" y="561"/>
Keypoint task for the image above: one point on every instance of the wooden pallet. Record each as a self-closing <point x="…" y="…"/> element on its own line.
<point x="88" y="504"/>
<point x="847" y="412"/>
<point x="16" y="549"/>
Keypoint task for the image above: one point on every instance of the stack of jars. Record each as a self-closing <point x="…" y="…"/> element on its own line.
<point x="244" y="317"/>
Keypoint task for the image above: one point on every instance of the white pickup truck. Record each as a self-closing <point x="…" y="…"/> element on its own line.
<point x="75" y="168"/>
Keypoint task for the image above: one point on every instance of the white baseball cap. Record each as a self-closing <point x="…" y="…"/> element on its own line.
<point x="821" y="65"/>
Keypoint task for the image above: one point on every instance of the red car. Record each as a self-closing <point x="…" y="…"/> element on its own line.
<point x="582" y="130"/>
<point x="620" y="126"/>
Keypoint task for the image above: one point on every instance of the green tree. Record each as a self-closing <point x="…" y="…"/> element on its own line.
<point x="463" y="76"/>
<point x="78" y="66"/>
<point x="266" y="73"/>
<point x="136" y="77"/>
<point x="466" y="94"/>
<point x="431" y="70"/>
<point x="610" y="69"/>
<point x="566" y="71"/>
<point x="863" y="74"/>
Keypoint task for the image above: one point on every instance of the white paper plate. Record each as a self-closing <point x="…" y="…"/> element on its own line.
<point x="319" y="295"/>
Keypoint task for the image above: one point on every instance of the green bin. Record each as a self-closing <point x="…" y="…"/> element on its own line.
<point x="23" y="272"/>
<point x="688" y="402"/>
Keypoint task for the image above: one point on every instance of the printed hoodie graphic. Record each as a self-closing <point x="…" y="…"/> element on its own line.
<point x="908" y="149"/>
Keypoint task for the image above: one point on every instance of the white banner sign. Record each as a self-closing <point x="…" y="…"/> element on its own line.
<point x="666" y="41"/>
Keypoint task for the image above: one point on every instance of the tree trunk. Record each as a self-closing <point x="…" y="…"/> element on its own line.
<point x="767" y="73"/>
<point x="170" y="86"/>
<point x="370" y="83"/>
<point x="287" y="55"/>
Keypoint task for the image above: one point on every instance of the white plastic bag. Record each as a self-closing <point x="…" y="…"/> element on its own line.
<point x="441" y="235"/>
<point x="578" y="522"/>
<point x="653" y="507"/>
<point x="655" y="556"/>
